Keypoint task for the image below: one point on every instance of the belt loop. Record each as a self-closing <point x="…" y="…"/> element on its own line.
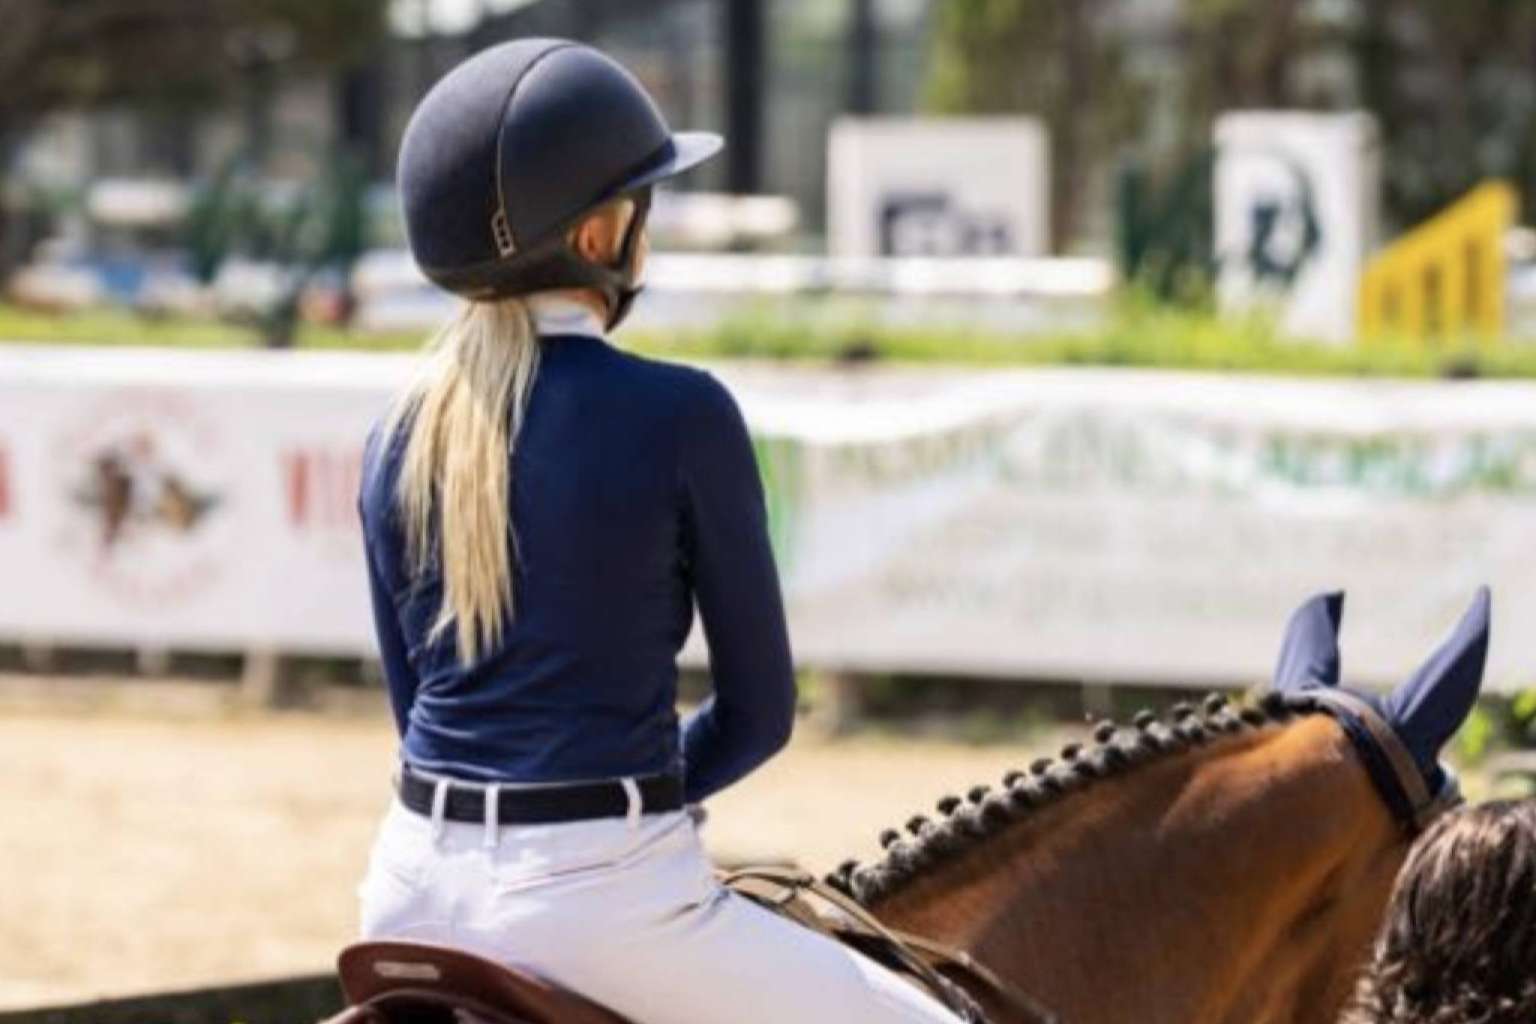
<point x="636" y="804"/>
<point x="439" y="808"/>
<point x="492" y="815"/>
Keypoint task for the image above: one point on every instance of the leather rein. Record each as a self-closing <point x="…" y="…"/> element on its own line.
<point x="923" y="958"/>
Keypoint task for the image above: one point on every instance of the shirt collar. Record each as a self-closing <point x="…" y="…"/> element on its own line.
<point x="554" y="313"/>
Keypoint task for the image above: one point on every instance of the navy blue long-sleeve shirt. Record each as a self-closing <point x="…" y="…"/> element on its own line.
<point x="634" y="493"/>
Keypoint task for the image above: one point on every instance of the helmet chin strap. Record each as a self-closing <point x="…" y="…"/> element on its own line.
<point x="555" y="264"/>
<point x="623" y="287"/>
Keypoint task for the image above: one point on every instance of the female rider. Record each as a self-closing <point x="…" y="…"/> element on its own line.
<point x="541" y="512"/>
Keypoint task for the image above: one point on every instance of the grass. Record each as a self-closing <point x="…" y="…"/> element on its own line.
<point x="1134" y="334"/>
<point x="116" y="327"/>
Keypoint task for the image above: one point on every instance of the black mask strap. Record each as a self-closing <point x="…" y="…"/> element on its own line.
<point x="625" y="289"/>
<point x="554" y="264"/>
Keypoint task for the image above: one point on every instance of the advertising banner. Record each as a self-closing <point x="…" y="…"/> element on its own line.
<point x="184" y="500"/>
<point x="1297" y="196"/>
<point x="1096" y="525"/>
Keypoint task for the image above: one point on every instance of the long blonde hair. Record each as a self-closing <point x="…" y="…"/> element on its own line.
<point x="463" y="413"/>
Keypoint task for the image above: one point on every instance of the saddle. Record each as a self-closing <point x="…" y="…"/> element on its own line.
<point x="419" y="983"/>
<point x="391" y="982"/>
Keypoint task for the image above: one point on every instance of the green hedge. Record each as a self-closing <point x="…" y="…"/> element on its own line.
<point x="1134" y="334"/>
<point x="110" y="327"/>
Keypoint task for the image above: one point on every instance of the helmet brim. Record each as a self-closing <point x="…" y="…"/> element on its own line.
<point x="689" y="149"/>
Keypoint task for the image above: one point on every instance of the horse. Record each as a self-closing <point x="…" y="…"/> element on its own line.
<point x="1218" y="865"/>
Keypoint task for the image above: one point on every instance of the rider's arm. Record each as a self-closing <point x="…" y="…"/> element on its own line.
<point x="375" y="513"/>
<point x="751" y="714"/>
<point x="399" y="677"/>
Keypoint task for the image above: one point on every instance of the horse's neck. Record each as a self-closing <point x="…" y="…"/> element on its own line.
<point x="1206" y="886"/>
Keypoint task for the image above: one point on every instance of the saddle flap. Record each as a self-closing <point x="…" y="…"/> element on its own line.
<point x="372" y="971"/>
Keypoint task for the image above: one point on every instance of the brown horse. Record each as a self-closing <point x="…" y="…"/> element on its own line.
<point x="1220" y="867"/>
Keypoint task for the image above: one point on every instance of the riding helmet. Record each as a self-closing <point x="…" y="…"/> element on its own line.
<point x="514" y="147"/>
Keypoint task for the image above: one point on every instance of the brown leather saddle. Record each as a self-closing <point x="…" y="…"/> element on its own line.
<point x="419" y="983"/>
<point x="395" y="982"/>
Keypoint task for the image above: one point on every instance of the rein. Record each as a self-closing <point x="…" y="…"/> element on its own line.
<point x="1391" y="767"/>
<point x="923" y="958"/>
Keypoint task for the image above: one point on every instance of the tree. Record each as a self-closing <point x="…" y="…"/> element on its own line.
<point x="80" y="53"/>
<point x="1059" y="59"/>
<point x="1453" y="86"/>
<point x="1237" y="54"/>
<point x="73" y="54"/>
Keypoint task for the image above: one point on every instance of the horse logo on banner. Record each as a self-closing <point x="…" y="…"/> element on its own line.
<point x="139" y="478"/>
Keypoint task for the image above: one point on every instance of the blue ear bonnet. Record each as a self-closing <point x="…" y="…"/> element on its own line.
<point x="1429" y="708"/>
<point x="1309" y="655"/>
<point x="1424" y="712"/>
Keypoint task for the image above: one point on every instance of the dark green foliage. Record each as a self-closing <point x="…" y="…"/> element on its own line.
<point x="1235" y="55"/>
<point x="1452" y="84"/>
<point x="1165" y="230"/>
<point x="1454" y="87"/>
<point x="323" y="225"/>
<point x="77" y="53"/>
<point x="168" y="56"/>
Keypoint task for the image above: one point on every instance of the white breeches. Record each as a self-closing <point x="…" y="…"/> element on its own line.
<point x="628" y="914"/>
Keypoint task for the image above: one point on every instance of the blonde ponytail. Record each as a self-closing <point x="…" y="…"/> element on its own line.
<point x="463" y="414"/>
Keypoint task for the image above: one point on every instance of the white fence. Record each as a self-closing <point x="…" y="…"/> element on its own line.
<point x="1095" y="525"/>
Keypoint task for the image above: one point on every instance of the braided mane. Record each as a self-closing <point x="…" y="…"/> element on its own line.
<point x="984" y="813"/>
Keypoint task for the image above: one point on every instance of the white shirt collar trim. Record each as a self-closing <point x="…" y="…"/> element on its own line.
<point x="558" y="314"/>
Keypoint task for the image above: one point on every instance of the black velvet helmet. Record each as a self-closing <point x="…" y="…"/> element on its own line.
<point x="512" y="148"/>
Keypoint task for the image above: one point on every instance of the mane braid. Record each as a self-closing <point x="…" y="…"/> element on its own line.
<point x="965" y="824"/>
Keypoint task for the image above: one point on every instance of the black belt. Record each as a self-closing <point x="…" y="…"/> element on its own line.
<point x="541" y="805"/>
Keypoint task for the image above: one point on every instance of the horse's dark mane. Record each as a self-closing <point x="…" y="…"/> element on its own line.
<point x="984" y="813"/>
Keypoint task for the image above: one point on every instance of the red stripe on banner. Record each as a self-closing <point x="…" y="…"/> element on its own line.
<point x="5" y="484"/>
<point x="296" y="474"/>
<point x="321" y="487"/>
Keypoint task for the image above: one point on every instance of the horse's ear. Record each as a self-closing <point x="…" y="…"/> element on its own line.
<point x="1428" y="709"/>
<point x="1309" y="655"/>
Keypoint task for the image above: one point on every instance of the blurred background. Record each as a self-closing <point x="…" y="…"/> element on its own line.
<point x="1081" y="340"/>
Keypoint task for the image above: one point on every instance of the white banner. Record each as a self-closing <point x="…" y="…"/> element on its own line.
<point x="1116" y="526"/>
<point x="1075" y="524"/>
<point x="204" y="500"/>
